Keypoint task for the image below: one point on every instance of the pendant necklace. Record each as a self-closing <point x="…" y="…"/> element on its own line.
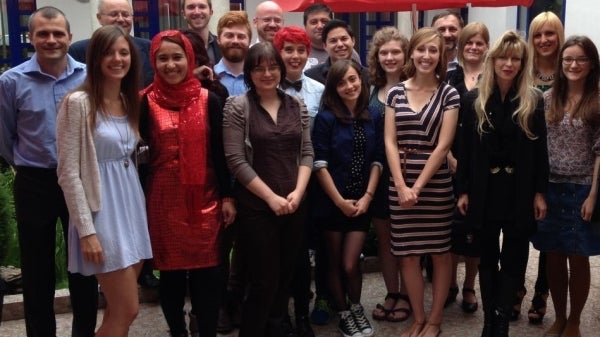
<point x="124" y="142"/>
<point x="544" y="78"/>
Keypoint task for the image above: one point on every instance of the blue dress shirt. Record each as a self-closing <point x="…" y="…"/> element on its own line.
<point x="29" y="102"/>
<point x="235" y="84"/>
<point x="310" y="93"/>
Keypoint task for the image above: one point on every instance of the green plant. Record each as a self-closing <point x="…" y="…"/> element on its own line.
<point x="9" y="240"/>
<point x="9" y="247"/>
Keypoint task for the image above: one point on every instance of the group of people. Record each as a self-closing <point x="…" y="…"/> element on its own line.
<point x="224" y="162"/>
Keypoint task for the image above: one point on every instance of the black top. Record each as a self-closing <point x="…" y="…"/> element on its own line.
<point x="319" y="72"/>
<point x="506" y="145"/>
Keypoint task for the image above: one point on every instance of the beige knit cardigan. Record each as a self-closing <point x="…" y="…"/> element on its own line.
<point x="78" y="173"/>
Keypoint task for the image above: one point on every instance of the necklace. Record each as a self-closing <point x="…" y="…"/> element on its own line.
<point x="124" y="142"/>
<point x="544" y="78"/>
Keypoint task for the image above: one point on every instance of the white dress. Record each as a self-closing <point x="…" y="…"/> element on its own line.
<point x="121" y="223"/>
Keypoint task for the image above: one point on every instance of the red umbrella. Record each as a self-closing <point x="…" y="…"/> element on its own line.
<point x="354" y="6"/>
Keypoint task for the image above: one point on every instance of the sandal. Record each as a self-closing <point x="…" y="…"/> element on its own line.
<point x="391" y="315"/>
<point x="380" y="308"/>
<point x="538" y="308"/>
<point x="516" y="309"/>
<point x="415" y="330"/>
<point x="468" y="307"/>
<point x="452" y="293"/>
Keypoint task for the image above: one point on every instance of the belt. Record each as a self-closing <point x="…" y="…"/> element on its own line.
<point x="498" y="169"/>
<point x="403" y="152"/>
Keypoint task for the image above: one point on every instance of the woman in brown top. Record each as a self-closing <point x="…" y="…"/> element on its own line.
<point x="268" y="149"/>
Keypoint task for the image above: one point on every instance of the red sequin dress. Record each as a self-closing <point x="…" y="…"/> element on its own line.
<point x="184" y="219"/>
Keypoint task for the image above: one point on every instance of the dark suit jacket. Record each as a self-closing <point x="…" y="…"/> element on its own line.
<point x="213" y="50"/>
<point x="319" y="72"/>
<point x="530" y="161"/>
<point x="78" y="51"/>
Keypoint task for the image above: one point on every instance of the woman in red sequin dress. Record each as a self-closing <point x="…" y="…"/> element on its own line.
<point x="187" y="184"/>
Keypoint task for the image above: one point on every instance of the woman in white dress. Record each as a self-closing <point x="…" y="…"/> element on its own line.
<point x="97" y="132"/>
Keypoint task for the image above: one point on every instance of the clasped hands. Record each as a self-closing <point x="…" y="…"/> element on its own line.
<point x="353" y="208"/>
<point x="288" y="205"/>
<point x="408" y="196"/>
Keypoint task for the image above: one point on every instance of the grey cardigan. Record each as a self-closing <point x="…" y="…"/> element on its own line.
<point x="78" y="173"/>
<point x="236" y="141"/>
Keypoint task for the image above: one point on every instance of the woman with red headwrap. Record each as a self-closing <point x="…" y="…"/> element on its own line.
<point x="187" y="185"/>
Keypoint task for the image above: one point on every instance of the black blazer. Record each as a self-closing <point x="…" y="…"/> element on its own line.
<point x="530" y="160"/>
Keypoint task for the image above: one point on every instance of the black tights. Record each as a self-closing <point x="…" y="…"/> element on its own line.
<point x="203" y="284"/>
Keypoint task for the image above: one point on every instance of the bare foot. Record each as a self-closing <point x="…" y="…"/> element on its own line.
<point x="556" y="329"/>
<point x="571" y="330"/>
<point x="431" y="330"/>
<point x="414" y="330"/>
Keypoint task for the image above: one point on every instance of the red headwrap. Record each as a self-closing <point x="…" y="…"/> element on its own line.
<point x="192" y="101"/>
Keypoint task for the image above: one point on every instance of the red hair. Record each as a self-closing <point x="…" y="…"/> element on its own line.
<point x="291" y="34"/>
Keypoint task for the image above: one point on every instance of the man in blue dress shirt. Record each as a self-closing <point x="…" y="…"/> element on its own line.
<point x="30" y="95"/>
<point x="234" y="34"/>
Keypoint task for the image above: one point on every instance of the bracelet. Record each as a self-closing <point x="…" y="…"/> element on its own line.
<point x="369" y="194"/>
<point x="228" y="199"/>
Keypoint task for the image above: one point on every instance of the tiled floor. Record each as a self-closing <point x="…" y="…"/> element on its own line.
<point x="150" y="322"/>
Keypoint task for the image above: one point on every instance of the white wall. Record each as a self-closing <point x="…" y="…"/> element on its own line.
<point x="80" y="15"/>
<point x="581" y="18"/>
<point x="497" y="19"/>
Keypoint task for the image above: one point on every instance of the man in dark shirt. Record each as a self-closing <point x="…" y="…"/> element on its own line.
<point x="197" y="14"/>
<point x="338" y="40"/>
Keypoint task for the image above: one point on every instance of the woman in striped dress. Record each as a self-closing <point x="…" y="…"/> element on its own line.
<point x="420" y="121"/>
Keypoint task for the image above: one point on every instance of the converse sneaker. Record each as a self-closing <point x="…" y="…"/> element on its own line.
<point x="347" y="326"/>
<point x="358" y="313"/>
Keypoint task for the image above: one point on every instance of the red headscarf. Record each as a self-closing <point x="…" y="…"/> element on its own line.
<point x="192" y="101"/>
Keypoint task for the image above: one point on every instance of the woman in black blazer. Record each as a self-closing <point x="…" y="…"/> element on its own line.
<point x="503" y="173"/>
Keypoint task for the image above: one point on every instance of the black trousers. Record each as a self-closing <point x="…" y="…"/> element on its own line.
<point x="511" y="256"/>
<point x="204" y="285"/>
<point x="270" y="245"/>
<point x="39" y="203"/>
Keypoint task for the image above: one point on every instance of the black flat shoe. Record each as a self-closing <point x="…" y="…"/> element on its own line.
<point x="468" y="307"/>
<point x="452" y="293"/>
<point x="515" y="313"/>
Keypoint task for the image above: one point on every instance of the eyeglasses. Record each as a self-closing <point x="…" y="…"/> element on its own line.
<point x="270" y="69"/>
<point x="580" y="60"/>
<point x="116" y="14"/>
<point x="268" y="20"/>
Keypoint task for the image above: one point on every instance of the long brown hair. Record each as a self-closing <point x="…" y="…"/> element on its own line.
<point x="588" y="107"/>
<point x="102" y="39"/>
<point x="425" y="35"/>
<point x="331" y="99"/>
<point x="384" y="35"/>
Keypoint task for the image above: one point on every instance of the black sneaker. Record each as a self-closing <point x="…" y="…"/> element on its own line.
<point x="363" y="324"/>
<point x="303" y="328"/>
<point x="347" y="325"/>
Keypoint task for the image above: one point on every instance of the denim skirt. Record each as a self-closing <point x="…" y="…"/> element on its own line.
<point x="564" y="230"/>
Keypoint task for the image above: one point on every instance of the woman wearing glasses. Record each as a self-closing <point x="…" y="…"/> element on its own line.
<point x="267" y="144"/>
<point x="566" y="234"/>
<point x="503" y="173"/>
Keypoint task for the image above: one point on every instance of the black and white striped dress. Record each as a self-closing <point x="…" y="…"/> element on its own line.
<point x="425" y="227"/>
